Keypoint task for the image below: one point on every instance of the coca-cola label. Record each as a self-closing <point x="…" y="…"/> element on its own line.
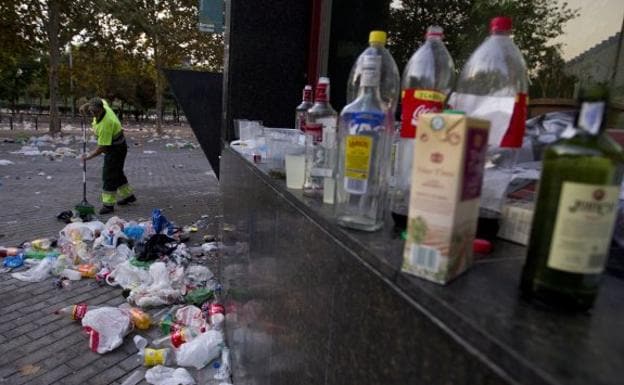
<point x="79" y="311"/>
<point x="415" y="103"/>
<point x="515" y="133"/>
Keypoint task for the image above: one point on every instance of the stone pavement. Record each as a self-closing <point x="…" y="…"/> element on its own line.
<point x="38" y="347"/>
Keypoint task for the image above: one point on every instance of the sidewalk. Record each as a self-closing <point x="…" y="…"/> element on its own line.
<point x="36" y="346"/>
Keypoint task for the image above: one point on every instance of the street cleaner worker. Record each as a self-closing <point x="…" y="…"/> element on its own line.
<point x="112" y="143"/>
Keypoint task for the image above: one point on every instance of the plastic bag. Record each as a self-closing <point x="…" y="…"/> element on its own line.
<point x="14" y="261"/>
<point x="162" y="375"/>
<point x="37" y="273"/>
<point x="134" y="232"/>
<point x="199" y="296"/>
<point x="128" y="276"/>
<point x="160" y="223"/>
<point x="157" y="245"/>
<point x="106" y="326"/>
<point x="86" y="231"/>
<point x="158" y="292"/>
<point x="191" y="316"/>
<point x="198" y="276"/>
<point x="200" y="351"/>
<point x="120" y="255"/>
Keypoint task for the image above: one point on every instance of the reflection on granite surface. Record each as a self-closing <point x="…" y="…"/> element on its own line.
<point x="310" y="303"/>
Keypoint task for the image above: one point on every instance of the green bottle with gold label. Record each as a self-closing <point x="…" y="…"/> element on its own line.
<point x="575" y="210"/>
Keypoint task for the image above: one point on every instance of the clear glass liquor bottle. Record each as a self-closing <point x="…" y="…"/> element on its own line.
<point x="365" y="136"/>
<point x="320" y="138"/>
<point x="302" y="109"/>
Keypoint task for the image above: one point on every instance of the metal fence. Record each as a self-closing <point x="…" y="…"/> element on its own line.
<point x="41" y="121"/>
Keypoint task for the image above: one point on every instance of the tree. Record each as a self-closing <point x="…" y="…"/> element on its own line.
<point x="49" y="25"/>
<point x="167" y="32"/>
<point x="550" y="80"/>
<point x="466" y="22"/>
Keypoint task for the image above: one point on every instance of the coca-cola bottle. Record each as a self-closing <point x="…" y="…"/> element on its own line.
<point x="302" y="109"/>
<point x="427" y="80"/>
<point x="493" y="85"/>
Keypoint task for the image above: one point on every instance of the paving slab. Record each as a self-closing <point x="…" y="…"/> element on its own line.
<point x="36" y="346"/>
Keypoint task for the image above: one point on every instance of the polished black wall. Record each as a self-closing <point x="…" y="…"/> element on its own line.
<point x="266" y="61"/>
<point x="352" y="21"/>
<point x="199" y="94"/>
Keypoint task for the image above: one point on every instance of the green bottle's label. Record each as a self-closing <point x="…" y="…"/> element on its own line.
<point x="583" y="228"/>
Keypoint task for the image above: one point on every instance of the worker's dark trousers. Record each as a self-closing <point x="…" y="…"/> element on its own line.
<point x="115" y="183"/>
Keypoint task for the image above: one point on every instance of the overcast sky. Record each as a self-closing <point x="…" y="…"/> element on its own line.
<point x="598" y="20"/>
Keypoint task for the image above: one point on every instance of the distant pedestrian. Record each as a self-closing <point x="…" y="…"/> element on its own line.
<point x="112" y="143"/>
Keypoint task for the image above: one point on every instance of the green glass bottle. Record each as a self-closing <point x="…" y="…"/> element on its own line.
<point x="575" y="211"/>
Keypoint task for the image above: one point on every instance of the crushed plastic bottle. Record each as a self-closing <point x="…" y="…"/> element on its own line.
<point x="502" y="100"/>
<point x="75" y="312"/>
<point x="224" y="372"/>
<point x="37" y="273"/>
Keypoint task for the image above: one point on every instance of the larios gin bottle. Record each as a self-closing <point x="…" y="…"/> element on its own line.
<point x="365" y="135"/>
<point x="575" y="211"/>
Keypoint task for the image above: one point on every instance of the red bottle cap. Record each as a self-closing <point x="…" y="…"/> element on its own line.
<point x="500" y="24"/>
<point x="481" y="246"/>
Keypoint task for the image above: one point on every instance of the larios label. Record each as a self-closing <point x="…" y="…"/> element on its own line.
<point x="583" y="227"/>
<point x="364" y="130"/>
<point x="358" y="150"/>
<point x="415" y="103"/>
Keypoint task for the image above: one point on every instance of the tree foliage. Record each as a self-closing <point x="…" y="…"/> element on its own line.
<point x="118" y="47"/>
<point x="466" y="24"/>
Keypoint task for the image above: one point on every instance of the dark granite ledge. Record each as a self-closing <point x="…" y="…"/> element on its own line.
<point x="482" y="310"/>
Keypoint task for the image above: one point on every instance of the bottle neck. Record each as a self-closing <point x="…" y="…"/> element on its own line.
<point x="322" y="94"/>
<point x="307" y="96"/>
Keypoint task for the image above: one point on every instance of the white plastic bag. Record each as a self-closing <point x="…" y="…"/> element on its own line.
<point x="159" y="291"/>
<point x="128" y="276"/>
<point x="119" y="255"/>
<point x="200" y="351"/>
<point x="87" y="231"/>
<point x="162" y="375"/>
<point x="191" y="316"/>
<point x="37" y="273"/>
<point x="106" y="326"/>
<point x="197" y="275"/>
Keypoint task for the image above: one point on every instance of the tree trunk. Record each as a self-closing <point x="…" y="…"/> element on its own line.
<point x="53" y="38"/>
<point x="159" y="91"/>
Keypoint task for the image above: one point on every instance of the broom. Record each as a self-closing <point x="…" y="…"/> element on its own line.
<point x="85" y="209"/>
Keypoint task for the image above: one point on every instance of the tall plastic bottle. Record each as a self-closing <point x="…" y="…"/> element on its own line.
<point x="390" y="82"/>
<point x="493" y="85"/>
<point x="320" y="139"/>
<point x="427" y="81"/>
<point x="365" y="134"/>
<point x="302" y="109"/>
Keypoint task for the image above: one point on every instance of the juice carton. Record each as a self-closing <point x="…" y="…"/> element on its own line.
<point x="447" y="173"/>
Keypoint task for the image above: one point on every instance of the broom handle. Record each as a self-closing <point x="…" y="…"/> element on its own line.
<point x="84" y="161"/>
